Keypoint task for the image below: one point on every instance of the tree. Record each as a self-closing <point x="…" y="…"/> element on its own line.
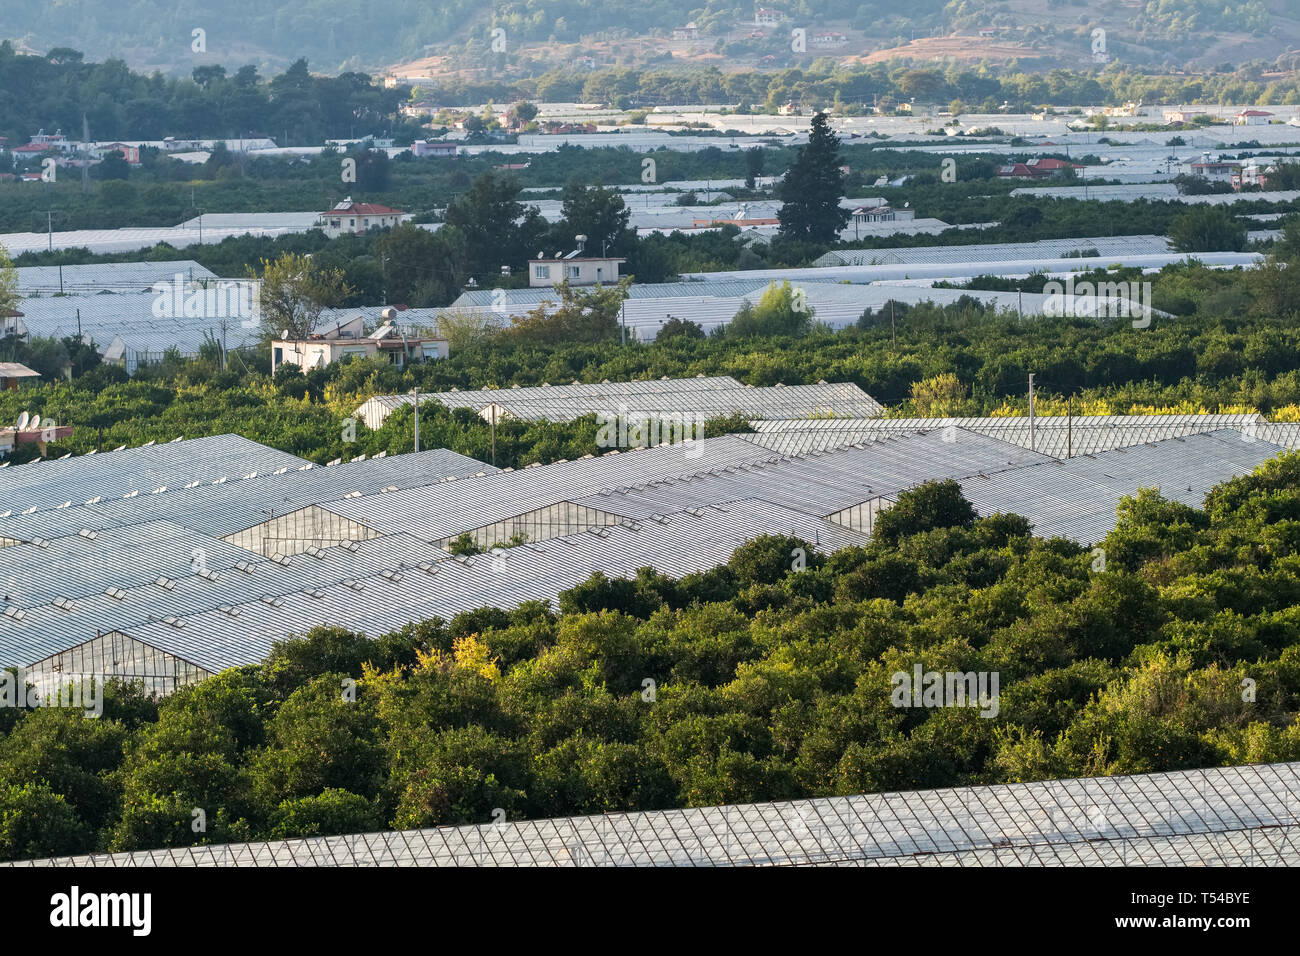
<point x="464" y="330"/>
<point x="1207" y="229"/>
<point x="811" y="189"/>
<point x="753" y="165"/>
<point x="676" y="328"/>
<point x="295" y="291"/>
<point x="113" y="166"/>
<point x="373" y="170"/>
<point x="525" y="112"/>
<point x="782" y="310"/>
<point x="583" y="315"/>
<point x="496" y="228"/>
<point x="35" y="822"/>
<point x="935" y="504"/>
<point x="598" y="213"/>
<point x="939" y="396"/>
<point x="9" y="298"/>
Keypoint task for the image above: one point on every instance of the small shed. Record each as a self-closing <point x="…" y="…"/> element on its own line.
<point x="11" y="373"/>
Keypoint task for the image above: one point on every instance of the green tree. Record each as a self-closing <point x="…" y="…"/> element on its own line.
<point x="1206" y="228"/>
<point x="811" y="189"/>
<point x="113" y="166"/>
<point x="781" y="310"/>
<point x="598" y="213"/>
<point x="935" y="504"/>
<point x="295" y="291"/>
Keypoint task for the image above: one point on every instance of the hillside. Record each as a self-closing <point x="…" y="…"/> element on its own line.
<point x="340" y="35"/>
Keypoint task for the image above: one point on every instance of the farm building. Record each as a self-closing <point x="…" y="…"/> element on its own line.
<point x="155" y="566"/>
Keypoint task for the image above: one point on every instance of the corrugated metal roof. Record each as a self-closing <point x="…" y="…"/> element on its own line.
<point x="1056" y="436"/>
<point x="167" y="584"/>
<point x="378" y="604"/>
<point x="80" y="564"/>
<point x="129" y="317"/>
<point x="1043" y="248"/>
<point x="824" y="482"/>
<point x="834" y="303"/>
<point x="1076" y="499"/>
<point x="237" y="503"/>
<point x="710" y="397"/>
<point x="80" y="280"/>
<point x="1234" y="816"/>
<point x="45" y="484"/>
<point x="452" y="508"/>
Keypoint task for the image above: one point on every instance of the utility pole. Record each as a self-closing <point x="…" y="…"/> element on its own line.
<point x="1031" y="411"/>
<point x="416" y="393"/>
<point x="49" y="227"/>
<point x="223" y="345"/>
<point x="1020" y="307"/>
<point x="85" y="154"/>
<point x="893" y="338"/>
<point x="1069" y="426"/>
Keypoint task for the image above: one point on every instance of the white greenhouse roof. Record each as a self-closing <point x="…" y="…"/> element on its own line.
<point x="1225" y="816"/>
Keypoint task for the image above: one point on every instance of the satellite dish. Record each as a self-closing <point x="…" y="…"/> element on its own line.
<point x="23" y="419"/>
<point x="35" y="422"/>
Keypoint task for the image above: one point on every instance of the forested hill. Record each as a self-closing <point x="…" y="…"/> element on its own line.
<point x="342" y="35"/>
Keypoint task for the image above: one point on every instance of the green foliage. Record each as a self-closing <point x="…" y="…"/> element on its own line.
<point x="935" y="504"/>
<point x="1207" y="229"/>
<point x="811" y="189"/>
<point x="766" y="678"/>
<point x="781" y="310"/>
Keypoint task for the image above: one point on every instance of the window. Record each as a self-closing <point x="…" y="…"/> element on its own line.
<point x="575" y="272"/>
<point x="541" y="272"/>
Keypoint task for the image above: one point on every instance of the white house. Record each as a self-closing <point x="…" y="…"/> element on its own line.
<point x="1254" y="118"/>
<point x="769" y="18"/>
<point x="357" y="218"/>
<point x="1217" y="172"/>
<point x="422" y="148"/>
<point x="346" y="339"/>
<point x="577" y="268"/>
<point x="866" y="214"/>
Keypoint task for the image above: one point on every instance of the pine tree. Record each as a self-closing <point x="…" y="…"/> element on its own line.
<point x="812" y="187"/>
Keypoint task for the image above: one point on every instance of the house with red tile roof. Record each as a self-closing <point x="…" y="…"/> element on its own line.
<point x="349" y="217"/>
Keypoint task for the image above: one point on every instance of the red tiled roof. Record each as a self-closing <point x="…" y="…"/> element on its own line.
<point x="363" y="209"/>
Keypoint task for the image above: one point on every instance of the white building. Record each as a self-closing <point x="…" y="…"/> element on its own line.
<point x="358" y="217"/>
<point x="577" y="268"/>
<point x="1254" y="118"/>
<point x="1217" y="172"/>
<point x="422" y="148"/>
<point x="346" y="340"/>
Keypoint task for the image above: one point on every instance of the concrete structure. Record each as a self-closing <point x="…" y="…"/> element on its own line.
<point x="575" y="267"/>
<point x="11" y="373"/>
<point x="1217" y="172"/>
<point x="1253" y="118"/>
<point x="358" y="217"/>
<point x="422" y="149"/>
<point x="347" y="340"/>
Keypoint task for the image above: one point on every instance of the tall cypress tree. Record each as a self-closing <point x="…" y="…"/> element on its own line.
<point x="812" y="187"/>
